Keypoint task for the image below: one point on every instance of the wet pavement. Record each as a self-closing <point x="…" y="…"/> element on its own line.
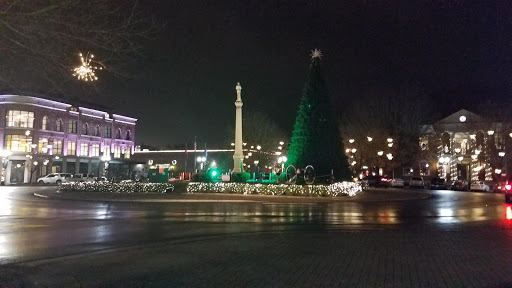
<point x="382" y="238"/>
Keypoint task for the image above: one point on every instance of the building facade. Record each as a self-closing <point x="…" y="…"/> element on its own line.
<point x="42" y="136"/>
<point x="463" y="146"/>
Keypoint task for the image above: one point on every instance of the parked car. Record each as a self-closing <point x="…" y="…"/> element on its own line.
<point x="376" y="181"/>
<point x="417" y="182"/>
<point x="437" y="183"/>
<point x="100" y="179"/>
<point x="81" y="178"/>
<point x="460" y="185"/>
<point x="55" y="178"/>
<point x="479" y="186"/>
<point x="397" y="182"/>
<point x="508" y="192"/>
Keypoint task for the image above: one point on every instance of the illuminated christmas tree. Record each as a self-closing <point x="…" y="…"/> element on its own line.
<point x="316" y="138"/>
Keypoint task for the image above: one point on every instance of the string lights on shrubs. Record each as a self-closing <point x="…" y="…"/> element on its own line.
<point x="117" y="187"/>
<point x="332" y="190"/>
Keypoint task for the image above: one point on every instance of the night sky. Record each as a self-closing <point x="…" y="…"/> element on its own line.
<point x="458" y="51"/>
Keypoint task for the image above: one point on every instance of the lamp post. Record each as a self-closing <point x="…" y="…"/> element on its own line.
<point x="201" y="161"/>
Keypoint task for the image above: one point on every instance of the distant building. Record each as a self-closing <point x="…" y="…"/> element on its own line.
<point x="42" y="136"/>
<point x="463" y="146"/>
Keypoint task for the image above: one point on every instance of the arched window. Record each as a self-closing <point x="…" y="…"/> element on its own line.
<point x="58" y="126"/>
<point x="44" y="123"/>
<point x="118" y="134"/>
<point x="85" y="129"/>
<point x="97" y="130"/>
<point x="128" y="135"/>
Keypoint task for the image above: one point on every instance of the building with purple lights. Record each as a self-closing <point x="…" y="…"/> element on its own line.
<point x="42" y="136"/>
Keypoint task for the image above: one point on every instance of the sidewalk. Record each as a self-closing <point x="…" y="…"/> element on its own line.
<point x="403" y="258"/>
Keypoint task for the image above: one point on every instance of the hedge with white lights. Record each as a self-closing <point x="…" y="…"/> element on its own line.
<point x="117" y="187"/>
<point x="332" y="190"/>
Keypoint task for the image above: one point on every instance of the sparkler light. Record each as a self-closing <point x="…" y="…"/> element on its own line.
<point x="86" y="71"/>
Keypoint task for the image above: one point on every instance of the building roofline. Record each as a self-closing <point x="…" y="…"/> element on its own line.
<point x="59" y="105"/>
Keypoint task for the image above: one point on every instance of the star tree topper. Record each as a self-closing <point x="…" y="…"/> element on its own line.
<point x="316" y="54"/>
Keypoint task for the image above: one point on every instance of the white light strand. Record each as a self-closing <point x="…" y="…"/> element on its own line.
<point x="333" y="190"/>
<point x="117" y="187"/>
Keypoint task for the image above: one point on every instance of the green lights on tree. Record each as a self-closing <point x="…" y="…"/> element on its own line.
<point x="316" y="139"/>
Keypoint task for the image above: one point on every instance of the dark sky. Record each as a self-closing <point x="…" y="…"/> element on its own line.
<point x="459" y="51"/>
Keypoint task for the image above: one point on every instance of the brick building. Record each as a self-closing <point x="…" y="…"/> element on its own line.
<point x="42" y="136"/>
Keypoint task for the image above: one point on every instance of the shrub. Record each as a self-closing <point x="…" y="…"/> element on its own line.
<point x="240" y="177"/>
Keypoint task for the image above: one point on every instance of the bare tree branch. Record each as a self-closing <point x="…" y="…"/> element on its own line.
<point x="40" y="40"/>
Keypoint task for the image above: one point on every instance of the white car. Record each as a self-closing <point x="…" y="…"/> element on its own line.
<point x="81" y="178"/>
<point x="55" y="178"/>
<point x="397" y="182"/>
<point x="417" y="182"/>
<point x="479" y="186"/>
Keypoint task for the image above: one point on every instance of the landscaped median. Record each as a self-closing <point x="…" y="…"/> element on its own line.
<point x="129" y="187"/>
<point x="332" y="190"/>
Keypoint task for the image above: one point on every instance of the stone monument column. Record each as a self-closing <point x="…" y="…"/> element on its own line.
<point x="238" y="156"/>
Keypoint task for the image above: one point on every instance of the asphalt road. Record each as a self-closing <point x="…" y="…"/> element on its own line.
<point x="216" y="242"/>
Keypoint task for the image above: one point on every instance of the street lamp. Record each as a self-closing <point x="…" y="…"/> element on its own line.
<point x="281" y="143"/>
<point x="351" y="141"/>
<point x="354" y="150"/>
<point x="380" y="153"/>
<point x="258" y="147"/>
<point x="490" y="132"/>
<point x="369" y="138"/>
<point x="501" y="154"/>
<point x="201" y="161"/>
<point x="390" y="140"/>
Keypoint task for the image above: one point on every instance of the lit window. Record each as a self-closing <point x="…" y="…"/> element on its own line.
<point x="106" y="150"/>
<point x="59" y="125"/>
<point x="499" y="141"/>
<point x="43" y="145"/>
<point x="408" y="171"/>
<point x="108" y="132"/>
<point x="44" y="123"/>
<point x="424" y="143"/>
<point x="18" y="143"/>
<point x="95" y="150"/>
<point x="16" y="118"/>
<point x="72" y="127"/>
<point x="117" y="152"/>
<point x="84" y="149"/>
<point x="127" y="153"/>
<point x="424" y="169"/>
<point x="71" y="148"/>
<point x="57" y="147"/>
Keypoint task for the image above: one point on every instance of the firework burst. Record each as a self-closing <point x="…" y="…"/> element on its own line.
<point x="86" y="71"/>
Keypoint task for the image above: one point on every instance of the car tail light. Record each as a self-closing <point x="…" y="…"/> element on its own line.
<point x="508" y="187"/>
<point x="383" y="179"/>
